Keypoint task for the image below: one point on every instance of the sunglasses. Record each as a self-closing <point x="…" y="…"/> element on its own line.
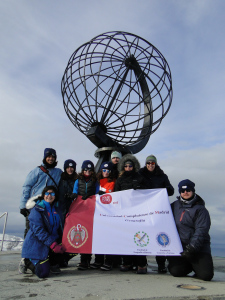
<point x="187" y="190"/>
<point x="105" y="170"/>
<point x="128" y="166"/>
<point x="87" y="169"/>
<point x="151" y="163"/>
<point x="47" y="193"/>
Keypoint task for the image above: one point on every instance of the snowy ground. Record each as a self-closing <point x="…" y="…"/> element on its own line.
<point x="11" y="242"/>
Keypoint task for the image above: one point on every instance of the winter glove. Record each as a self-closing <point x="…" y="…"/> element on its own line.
<point x="101" y="192"/>
<point x="57" y="248"/>
<point x="170" y="191"/>
<point x="188" y="252"/>
<point x="73" y="196"/>
<point x="70" y="196"/>
<point x="86" y="196"/>
<point x="25" y="212"/>
<point x="136" y="184"/>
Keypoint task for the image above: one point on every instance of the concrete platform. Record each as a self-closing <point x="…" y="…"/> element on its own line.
<point x="97" y="284"/>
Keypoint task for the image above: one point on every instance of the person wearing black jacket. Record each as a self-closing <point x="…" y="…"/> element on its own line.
<point x="66" y="184"/>
<point x="115" y="158"/>
<point x="193" y="223"/>
<point x="155" y="178"/>
<point x="129" y="178"/>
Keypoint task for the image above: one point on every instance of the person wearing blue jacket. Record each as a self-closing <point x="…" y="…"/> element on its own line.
<point x="45" y="175"/>
<point x="193" y="223"/>
<point x="41" y="250"/>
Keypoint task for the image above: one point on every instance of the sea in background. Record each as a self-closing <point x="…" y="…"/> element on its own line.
<point x="218" y="250"/>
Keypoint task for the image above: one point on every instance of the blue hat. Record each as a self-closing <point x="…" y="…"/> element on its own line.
<point x="106" y="165"/>
<point x="186" y="184"/>
<point x="48" y="152"/>
<point x="69" y="163"/>
<point x="87" y="164"/>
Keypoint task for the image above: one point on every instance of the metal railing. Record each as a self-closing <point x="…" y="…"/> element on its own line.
<point x="3" y="234"/>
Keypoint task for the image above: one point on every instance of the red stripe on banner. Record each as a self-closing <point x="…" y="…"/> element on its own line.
<point x="78" y="228"/>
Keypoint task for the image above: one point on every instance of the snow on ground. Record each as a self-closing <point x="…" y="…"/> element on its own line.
<point x="11" y="242"/>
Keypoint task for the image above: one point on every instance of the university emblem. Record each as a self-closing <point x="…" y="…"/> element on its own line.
<point x="163" y="239"/>
<point x="106" y="199"/>
<point x="141" y="239"/>
<point x="77" y="236"/>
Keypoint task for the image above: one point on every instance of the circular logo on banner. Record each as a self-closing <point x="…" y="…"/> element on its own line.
<point x="106" y="199"/>
<point x="141" y="239"/>
<point x="163" y="239"/>
<point x="77" y="236"/>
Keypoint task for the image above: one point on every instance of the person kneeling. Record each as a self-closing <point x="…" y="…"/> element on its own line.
<point x="193" y="223"/>
<point x="42" y="252"/>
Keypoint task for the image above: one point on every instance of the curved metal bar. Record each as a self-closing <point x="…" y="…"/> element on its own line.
<point x="116" y="90"/>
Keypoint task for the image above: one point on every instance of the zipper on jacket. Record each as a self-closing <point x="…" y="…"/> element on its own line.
<point x="181" y="217"/>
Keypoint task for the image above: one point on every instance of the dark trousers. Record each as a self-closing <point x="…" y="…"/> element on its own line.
<point x="42" y="268"/>
<point x="161" y="260"/>
<point x="85" y="258"/>
<point x="201" y="263"/>
<point x="99" y="259"/>
<point x="135" y="260"/>
<point x="113" y="260"/>
<point x="27" y="226"/>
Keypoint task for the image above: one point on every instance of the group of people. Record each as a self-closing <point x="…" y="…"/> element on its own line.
<point x="48" y="193"/>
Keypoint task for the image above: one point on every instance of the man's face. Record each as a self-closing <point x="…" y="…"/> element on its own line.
<point x="150" y="166"/>
<point x="186" y="194"/>
<point x="115" y="160"/>
<point x="50" y="159"/>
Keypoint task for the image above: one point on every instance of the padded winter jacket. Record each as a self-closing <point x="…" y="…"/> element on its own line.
<point x="106" y="186"/>
<point x="36" y="181"/>
<point x="156" y="179"/>
<point x="42" y="232"/>
<point x="65" y="190"/>
<point x="193" y="223"/>
<point x="83" y="188"/>
<point x="129" y="179"/>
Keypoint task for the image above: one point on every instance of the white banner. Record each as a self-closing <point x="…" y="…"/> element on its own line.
<point x="135" y="222"/>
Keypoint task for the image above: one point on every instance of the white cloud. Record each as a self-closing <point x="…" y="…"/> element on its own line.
<point x="37" y="42"/>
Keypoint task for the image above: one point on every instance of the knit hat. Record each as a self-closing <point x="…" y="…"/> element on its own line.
<point x="151" y="158"/>
<point x="87" y="164"/>
<point x="186" y="184"/>
<point x="106" y="165"/>
<point x="69" y="163"/>
<point x="128" y="162"/>
<point x="48" y="152"/>
<point x="116" y="154"/>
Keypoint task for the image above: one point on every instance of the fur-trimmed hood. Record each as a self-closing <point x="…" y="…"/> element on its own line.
<point x="32" y="201"/>
<point x="129" y="157"/>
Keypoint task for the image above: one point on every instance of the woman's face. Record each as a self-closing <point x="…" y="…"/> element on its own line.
<point x="150" y="166"/>
<point x="69" y="170"/>
<point x="105" y="173"/>
<point x="87" y="172"/>
<point x="49" y="196"/>
<point x="128" y="167"/>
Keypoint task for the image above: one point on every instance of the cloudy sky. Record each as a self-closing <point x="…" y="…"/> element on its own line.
<point x="37" y="40"/>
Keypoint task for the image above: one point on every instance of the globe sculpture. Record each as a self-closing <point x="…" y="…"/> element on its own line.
<point x="116" y="90"/>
